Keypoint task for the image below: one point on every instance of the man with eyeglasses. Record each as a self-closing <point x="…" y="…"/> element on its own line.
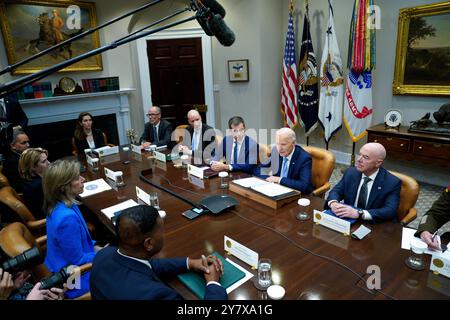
<point x="367" y="191"/>
<point x="19" y="144"/>
<point x="156" y="132"/>
<point x="239" y="150"/>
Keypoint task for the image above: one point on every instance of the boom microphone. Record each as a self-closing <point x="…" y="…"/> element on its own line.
<point x="214" y="7"/>
<point x="202" y="22"/>
<point x="220" y="30"/>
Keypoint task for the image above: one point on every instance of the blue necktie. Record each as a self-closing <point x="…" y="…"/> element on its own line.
<point x="284" y="169"/>
<point x="155" y="135"/>
<point x="235" y="153"/>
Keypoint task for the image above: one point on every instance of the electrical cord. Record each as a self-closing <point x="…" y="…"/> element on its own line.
<point x="340" y="264"/>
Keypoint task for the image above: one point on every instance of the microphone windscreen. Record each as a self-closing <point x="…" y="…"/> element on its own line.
<point x="221" y="31"/>
<point x="215" y="7"/>
<point x="202" y="22"/>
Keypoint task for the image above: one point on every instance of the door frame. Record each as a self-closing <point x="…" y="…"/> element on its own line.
<point x="144" y="76"/>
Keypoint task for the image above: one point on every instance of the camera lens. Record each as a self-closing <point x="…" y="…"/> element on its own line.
<point x="28" y="259"/>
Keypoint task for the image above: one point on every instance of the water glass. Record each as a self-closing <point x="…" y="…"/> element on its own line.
<point x="184" y="161"/>
<point x="416" y="258"/>
<point x="264" y="273"/>
<point x="154" y="200"/>
<point x="119" y="178"/>
<point x="95" y="164"/>
<point x="223" y="180"/>
<point x="303" y="215"/>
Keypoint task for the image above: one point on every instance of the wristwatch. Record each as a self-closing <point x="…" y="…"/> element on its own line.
<point x="360" y="213"/>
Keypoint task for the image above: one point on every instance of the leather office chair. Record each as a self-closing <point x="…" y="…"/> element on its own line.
<point x="178" y="133"/>
<point x="3" y="180"/>
<point x="10" y="198"/>
<point x="408" y="197"/>
<point x="264" y="153"/>
<point x="323" y="162"/>
<point x="15" y="238"/>
<point x="76" y="152"/>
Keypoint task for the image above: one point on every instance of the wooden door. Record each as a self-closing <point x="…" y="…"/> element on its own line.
<point x="176" y="73"/>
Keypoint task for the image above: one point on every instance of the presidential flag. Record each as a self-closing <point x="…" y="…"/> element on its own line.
<point x="358" y="105"/>
<point x="308" y="94"/>
<point x="289" y="107"/>
<point x="331" y="82"/>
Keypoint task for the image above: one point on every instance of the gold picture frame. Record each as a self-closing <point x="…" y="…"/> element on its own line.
<point x="422" y="61"/>
<point x="238" y="70"/>
<point x="30" y="26"/>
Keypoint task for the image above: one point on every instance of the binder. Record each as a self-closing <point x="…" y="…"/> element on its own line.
<point x="196" y="282"/>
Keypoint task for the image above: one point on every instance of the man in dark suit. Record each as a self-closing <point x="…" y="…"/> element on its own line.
<point x="129" y="273"/>
<point x="199" y="138"/>
<point x="290" y="164"/>
<point x="239" y="150"/>
<point x="11" y="112"/>
<point x="19" y="144"/>
<point x="368" y="191"/>
<point x="157" y="132"/>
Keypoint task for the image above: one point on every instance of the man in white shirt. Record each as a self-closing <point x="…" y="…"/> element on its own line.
<point x="239" y="150"/>
<point x="367" y="191"/>
<point x="199" y="138"/>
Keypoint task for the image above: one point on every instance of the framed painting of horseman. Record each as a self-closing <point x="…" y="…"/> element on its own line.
<point x="31" y="26"/>
<point x="422" y="62"/>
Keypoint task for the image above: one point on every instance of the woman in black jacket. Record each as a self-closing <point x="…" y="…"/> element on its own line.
<point x="85" y="136"/>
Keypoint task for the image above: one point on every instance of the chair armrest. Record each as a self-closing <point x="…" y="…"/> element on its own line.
<point x="37" y="224"/>
<point x="42" y="241"/>
<point x="320" y="192"/>
<point x="410" y="216"/>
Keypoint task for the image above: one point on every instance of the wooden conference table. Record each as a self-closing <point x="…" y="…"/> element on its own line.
<point x="274" y="234"/>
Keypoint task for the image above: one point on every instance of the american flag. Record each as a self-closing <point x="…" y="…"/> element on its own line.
<point x="289" y="107"/>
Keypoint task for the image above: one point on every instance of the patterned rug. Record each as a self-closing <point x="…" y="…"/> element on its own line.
<point x="428" y="193"/>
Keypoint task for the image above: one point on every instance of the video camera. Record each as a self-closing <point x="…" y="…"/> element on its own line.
<point x="57" y="279"/>
<point x="28" y="259"/>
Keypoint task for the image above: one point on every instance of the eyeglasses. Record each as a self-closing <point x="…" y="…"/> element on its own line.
<point x="152" y="114"/>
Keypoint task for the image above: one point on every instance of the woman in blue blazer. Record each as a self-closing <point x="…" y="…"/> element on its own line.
<point x="68" y="238"/>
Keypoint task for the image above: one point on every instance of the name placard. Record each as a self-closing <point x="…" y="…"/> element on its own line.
<point x="241" y="252"/>
<point x="160" y="156"/>
<point x="331" y="222"/>
<point x="109" y="174"/>
<point x="106" y="151"/>
<point x="144" y="196"/>
<point x="440" y="263"/>
<point x="136" y="149"/>
<point x="195" y="171"/>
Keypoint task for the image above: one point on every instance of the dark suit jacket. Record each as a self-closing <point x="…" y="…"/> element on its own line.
<point x="384" y="196"/>
<point x="98" y="139"/>
<point x="33" y="196"/>
<point x="115" y="277"/>
<point x="299" y="173"/>
<point x="11" y="170"/>
<point x="247" y="157"/>
<point x="208" y="139"/>
<point x="14" y="112"/>
<point x="164" y="133"/>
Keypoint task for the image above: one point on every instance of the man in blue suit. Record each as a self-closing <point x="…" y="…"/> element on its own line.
<point x="239" y="150"/>
<point x="290" y="164"/>
<point x="129" y="273"/>
<point x="368" y="191"/>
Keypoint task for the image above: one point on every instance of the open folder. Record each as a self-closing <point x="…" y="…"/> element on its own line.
<point x="196" y="282"/>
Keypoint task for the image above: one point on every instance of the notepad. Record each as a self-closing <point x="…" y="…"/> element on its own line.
<point x="196" y="282"/>
<point x="331" y="213"/>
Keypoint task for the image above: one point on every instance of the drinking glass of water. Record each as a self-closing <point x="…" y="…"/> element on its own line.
<point x="264" y="273"/>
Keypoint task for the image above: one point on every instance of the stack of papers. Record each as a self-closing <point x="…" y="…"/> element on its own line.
<point x="94" y="187"/>
<point x="110" y="211"/>
<point x="266" y="188"/>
